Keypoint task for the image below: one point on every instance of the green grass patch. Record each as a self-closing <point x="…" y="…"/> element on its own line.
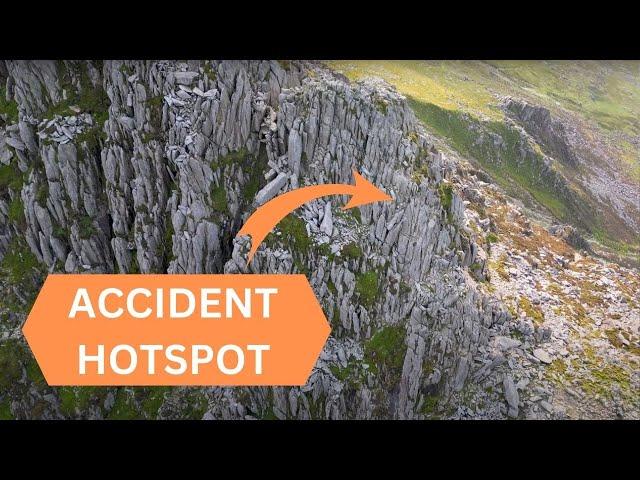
<point x="367" y="288"/>
<point x="232" y="158"/>
<point x="5" y="410"/>
<point x="11" y="178"/>
<point x="196" y="405"/>
<point x="85" y="227"/>
<point x="19" y="264"/>
<point x="77" y="399"/>
<point x="351" y="375"/>
<point x="88" y="98"/>
<point x="352" y="251"/>
<point x="12" y="356"/>
<point x="604" y="91"/>
<point x="556" y="371"/>
<point x="448" y="84"/>
<point x="67" y="396"/>
<point x="504" y="162"/>
<point x="251" y="187"/>
<point x="124" y="407"/>
<point x="386" y="349"/>
<point x="8" y="108"/>
<point x="256" y="175"/>
<point x="60" y="232"/>
<point x="33" y="371"/>
<point x="16" y="211"/>
<point x="614" y="337"/>
<point x="324" y="250"/>
<point x="166" y="248"/>
<point x="429" y="405"/>
<point x="445" y="192"/>
<point x="294" y="233"/>
<point x="153" y="399"/>
<point x="341" y="373"/>
<point x="255" y="165"/>
<point x="219" y="199"/>
<point x="21" y="269"/>
<point x="42" y="194"/>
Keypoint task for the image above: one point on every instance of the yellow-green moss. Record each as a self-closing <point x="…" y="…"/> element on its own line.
<point x="612" y="336"/>
<point x="499" y="266"/>
<point x="531" y="311"/>
<point x="491" y="238"/>
<point x="556" y="370"/>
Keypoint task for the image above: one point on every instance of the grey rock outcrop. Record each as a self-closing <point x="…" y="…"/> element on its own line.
<point x="511" y="394"/>
<point x="546" y="129"/>
<point x="163" y="177"/>
<point x="586" y="167"/>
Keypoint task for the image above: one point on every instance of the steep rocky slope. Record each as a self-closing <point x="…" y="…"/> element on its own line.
<point x="560" y="138"/>
<point x="570" y="349"/>
<point x="453" y="301"/>
<point x="153" y="166"/>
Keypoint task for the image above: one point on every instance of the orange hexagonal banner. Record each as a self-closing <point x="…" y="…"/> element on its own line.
<point x="176" y="329"/>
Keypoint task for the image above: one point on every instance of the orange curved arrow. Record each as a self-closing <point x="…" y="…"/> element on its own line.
<point x="266" y="217"/>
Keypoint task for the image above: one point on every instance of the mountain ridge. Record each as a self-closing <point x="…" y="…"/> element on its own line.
<point x="439" y="301"/>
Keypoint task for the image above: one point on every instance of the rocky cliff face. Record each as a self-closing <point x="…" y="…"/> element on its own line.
<point x="599" y="192"/>
<point x="546" y="129"/>
<point x="153" y="167"/>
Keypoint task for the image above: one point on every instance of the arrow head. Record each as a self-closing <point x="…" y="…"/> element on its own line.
<point x="365" y="192"/>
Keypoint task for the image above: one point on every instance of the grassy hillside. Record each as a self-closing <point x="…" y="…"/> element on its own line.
<point x="517" y="175"/>
<point x="605" y="96"/>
